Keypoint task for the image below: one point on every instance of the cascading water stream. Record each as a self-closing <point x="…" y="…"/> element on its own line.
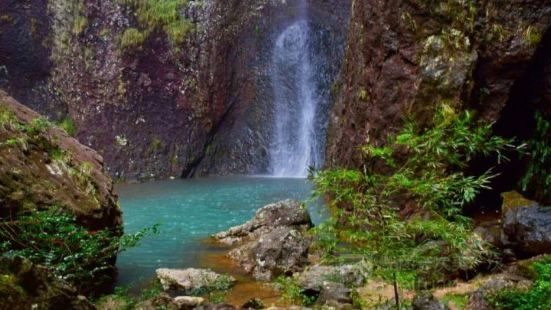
<point x="294" y="146"/>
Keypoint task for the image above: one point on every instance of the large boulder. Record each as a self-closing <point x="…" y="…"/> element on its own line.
<point x="274" y="242"/>
<point x="313" y="278"/>
<point x="526" y="226"/>
<point x="282" y="250"/>
<point x="43" y="166"/>
<point x="284" y="213"/>
<point x="192" y="279"/>
<point x="24" y="285"/>
<point x="335" y="296"/>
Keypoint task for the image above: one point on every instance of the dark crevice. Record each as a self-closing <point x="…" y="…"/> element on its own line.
<point x="517" y="121"/>
<point x="191" y="168"/>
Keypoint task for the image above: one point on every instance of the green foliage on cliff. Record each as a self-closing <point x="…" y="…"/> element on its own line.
<point x="29" y="130"/>
<point x="402" y="210"/>
<point x="539" y="158"/>
<point x="460" y="14"/>
<point x="80" y="23"/>
<point x="68" y="125"/>
<point x="152" y="15"/>
<point x="532" y="35"/>
<point x="132" y="38"/>
<point x="54" y="239"/>
<point x="536" y="297"/>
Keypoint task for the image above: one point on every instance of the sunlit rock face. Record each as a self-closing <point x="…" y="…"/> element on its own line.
<point x="196" y="104"/>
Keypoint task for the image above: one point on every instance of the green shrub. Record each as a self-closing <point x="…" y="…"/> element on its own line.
<point x="537" y="297"/>
<point x="37" y="126"/>
<point x="292" y="292"/>
<point x="459" y="301"/>
<point x="6" y="117"/>
<point x="68" y="126"/>
<point x="54" y="239"/>
<point x="539" y="159"/>
<point x="125" y="300"/>
<point x="421" y="169"/>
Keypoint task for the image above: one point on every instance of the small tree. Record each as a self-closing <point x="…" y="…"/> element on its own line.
<point x="402" y="210"/>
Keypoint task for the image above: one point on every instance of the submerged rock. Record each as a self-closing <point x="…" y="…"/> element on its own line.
<point x="526" y="226"/>
<point x="191" y="279"/>
<point x="274" y="242"/>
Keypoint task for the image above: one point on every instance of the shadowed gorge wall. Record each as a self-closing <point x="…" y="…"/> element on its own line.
<point x="405" y="57"/>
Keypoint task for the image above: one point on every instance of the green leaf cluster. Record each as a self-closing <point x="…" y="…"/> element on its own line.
<point x="155" y="15"/>
<point x="54" y="239"/>
<point x="537" y="297"/>
<point x="68" y="125"/>
<point x="539" y="158"/>
<point x="292" y="292"/>
<point x="403" y="209"/>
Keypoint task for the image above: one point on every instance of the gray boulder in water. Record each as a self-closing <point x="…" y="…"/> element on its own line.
<point x="273" y="242"/>
<point x="526" y="226"/>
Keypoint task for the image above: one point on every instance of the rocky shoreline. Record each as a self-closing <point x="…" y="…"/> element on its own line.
<point x="275" y="243"/>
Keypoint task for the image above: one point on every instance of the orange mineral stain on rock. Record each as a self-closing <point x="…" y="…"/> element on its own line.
<point x="246" y="287"/>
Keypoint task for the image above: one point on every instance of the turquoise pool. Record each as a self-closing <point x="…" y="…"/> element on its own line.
<point x="189" y="211"/>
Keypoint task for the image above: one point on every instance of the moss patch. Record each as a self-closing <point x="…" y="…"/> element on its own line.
<point x="157" y="15"/>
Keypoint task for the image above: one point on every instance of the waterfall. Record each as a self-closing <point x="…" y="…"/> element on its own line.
<point x="295" y="144"/>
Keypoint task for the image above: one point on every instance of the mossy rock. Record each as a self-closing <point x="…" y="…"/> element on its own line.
<point x="513" y="200"/>
<point x="24" y="285"/>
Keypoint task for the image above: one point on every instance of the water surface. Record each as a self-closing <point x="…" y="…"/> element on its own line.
<point x="189" y="211"/>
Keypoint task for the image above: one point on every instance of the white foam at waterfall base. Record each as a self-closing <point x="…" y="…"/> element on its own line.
<point x="294" y="148"/>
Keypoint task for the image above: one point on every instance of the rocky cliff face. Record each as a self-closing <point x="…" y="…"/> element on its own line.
<point x="158" y="93"/>
<point x="42" y="167"/>
<point x="242" y="142"/>
<point x="405" y="57"/>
